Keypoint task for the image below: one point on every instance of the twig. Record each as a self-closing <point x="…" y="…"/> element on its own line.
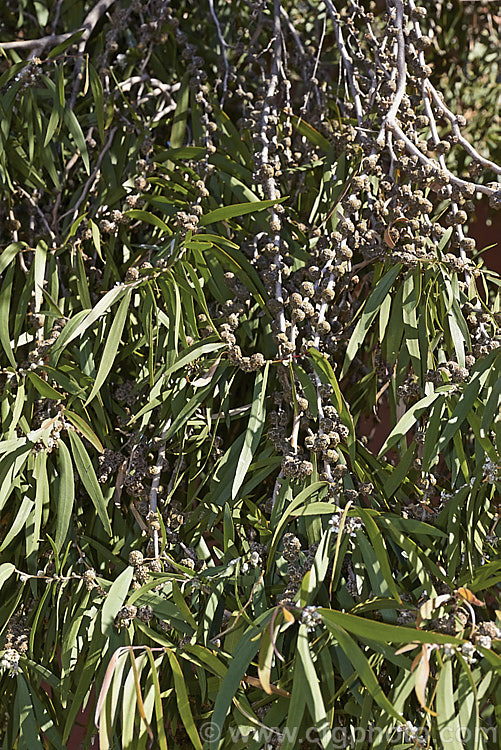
<point x="56" y="15"/>
<point x="223" y="49"/>
<point x="315" y="67"/>
<point x="453" y="120"/>
<point x="231" y="412"/>
<point x="347" y="62"/>
<point x="402" y="73"/>
<point x="39" y="212"/>
<point x="293" y="31"/>
<point x="397" y="130"/>
<point x="91" y="179"/>
<point x="90" y="22"/>
<point x="164" y="88"/>
<point x="156" y="481"/>
<point x="39" y="43"/>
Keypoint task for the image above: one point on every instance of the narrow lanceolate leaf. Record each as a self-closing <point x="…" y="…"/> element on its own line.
<point x="363" y="669"/>
<point x="323" y="367"/>
<point x="381" y="631"/>
<point x="239" y="209"/>
<point x="180" y="115"/>
<point x="44" y="389"/>
<point x="297" y="707"/>
<point x="369" y="312"/>
<point x="111" y="346"/>
<point x="193" y="353"/>
<point x="449" y="726"/>
<point x="87" y="318"/>
<point x="407" y="421"/>
<point x="265" y="660"/>
<point x="183" y="702"/>
<point x="6" y="570"/>
<point x="8" y="255"/>
<point x="18" y="523"/>
<point x="159" y="714"/>
<point x="115" y="599"/>
<point x="84" y="428"/>
<point x="75" y="129"/>
<point x="458" y="416"/>
<point x="66" y="494"/>
<point x="5" y="302"/>
<point x="254" y="429"/>
<point x="148" y="218"/>
<point x="24" y="709"/>
<point x="247" y="648"/>
<point x="314" y="697"/>
<point x="379" y="546"/>
<point x="291" y="509"/>
<point x="98" y="94"/>
<point x="89" y="480"/>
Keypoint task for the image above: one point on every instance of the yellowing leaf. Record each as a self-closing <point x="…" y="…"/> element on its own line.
<point x="468" y="596"/>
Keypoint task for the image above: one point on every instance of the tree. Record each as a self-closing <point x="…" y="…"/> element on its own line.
<point x="235" y="238"/>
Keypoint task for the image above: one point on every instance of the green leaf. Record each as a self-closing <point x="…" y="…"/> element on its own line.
<point x="309" y="132"/>
<point x="67" y="335"/>
<point x="6" y="570"/>
<point x="246" y="650"/>
<point x="191" y="406"/>
<point x="89" y="479"/>
<point x="96" y="237"/>
<point x="111" y="347"/>
<point x="8" y="255"/>
<point x="148" y="218"/>
<point x="195" y="352"/>
<point x="91" y="662"/>
<point x="182" y="699"/>
<point x="297" y="708"/>
<point x="180" y="115"/>
<point x="239" y="209"/>
<point x="383" y="632"/>
<point x="460" y="413"/>
<point x="407" y="421"/>
<point x="45" y="390"/>
<point x="324" y="368"/>
<point x="379" y="547"/>
<point x="18" y="523"/>
<point x="28" y="730"/>
<point x="66" y="494"/>
<point x="362" y="667"/>
<point x="369" y="312"/>
<point x="254" y="429"/>
<point x="5" y="302"/>
<point x="298" y="501"/>
<point x="159" y="714"/>
<point x="84" y="428"/>
<point x="76" y="131"/>
<point x="115" y="598"/>
<point x="89" y="318"/>
<point x="314" y="699"/>
<point x="98" y="95"/>
<point x="60" y="48"/>
<point x="449" y="727"/>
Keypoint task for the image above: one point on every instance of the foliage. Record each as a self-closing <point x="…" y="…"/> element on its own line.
<point x="234" y="240"/>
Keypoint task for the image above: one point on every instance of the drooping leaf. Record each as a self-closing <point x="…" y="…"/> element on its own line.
<point x="89" y="480"/>
<point x="66" y="495"/>
<point x="115" y="598"/>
